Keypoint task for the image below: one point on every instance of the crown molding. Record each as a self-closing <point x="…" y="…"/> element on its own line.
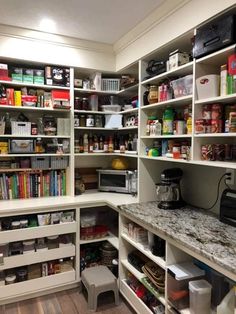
<point x="167" y="8"/>
<point x="53" y="39"/>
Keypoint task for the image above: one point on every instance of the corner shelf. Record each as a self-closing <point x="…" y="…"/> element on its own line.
<point x="111" y="238"/>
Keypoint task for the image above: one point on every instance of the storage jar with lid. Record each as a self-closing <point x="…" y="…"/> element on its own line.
<point x="24" y="223"/>
<point x="98" y="121"/>
<point x="153" y="94"/>
<point x="10" y="279"/>
<point x="53" y="242"/>
<point x="15" y="224"/>
<point x="21" y="274"/>
<point x="82" y="120"/>
<point x="90" y="121"/>
<point x="200" y="297"/>
<point x="85" y="104"/>
<point x="28" y="246"/>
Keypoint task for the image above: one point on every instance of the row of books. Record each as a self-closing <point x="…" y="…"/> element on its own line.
<point x="32" y="184"/>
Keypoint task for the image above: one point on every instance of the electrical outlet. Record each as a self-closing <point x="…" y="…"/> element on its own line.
<point x="230" y="178"/>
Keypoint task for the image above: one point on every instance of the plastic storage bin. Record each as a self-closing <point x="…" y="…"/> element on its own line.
<point x="208" y="86"/>
<point x="40" y="162"/>
<point x="111" y="108"/>
<point x="178" y="277"/>
<point x="200" y="297"/>
<point x="111" y="84"/>
<point x="183" y="86"/>
<point x="61" y="162"/>
<point x="20" y="128"/>
<point x="22" y="146"/>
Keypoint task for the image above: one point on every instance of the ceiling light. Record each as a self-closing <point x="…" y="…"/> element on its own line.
<point x="47" y="25"/>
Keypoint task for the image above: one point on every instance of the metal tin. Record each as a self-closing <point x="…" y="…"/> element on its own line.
<point x="216" y="112"/>
<point x="219" y="152"/>
<point x="207" y="152"/>
<point x="200" y="126"/>
<point x="206" y="112"/>
<point x="216" y="126"/>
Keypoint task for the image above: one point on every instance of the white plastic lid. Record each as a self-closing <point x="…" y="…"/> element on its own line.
<point x="186" y="271"/>
<point x="200" y="286"/>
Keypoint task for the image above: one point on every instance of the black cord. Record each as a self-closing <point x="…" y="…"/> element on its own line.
<point x="218" y="191"/>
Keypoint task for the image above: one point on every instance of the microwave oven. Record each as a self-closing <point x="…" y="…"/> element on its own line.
<point x="121" y="181"/>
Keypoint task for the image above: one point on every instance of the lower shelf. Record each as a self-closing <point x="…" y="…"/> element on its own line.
<point x="30" y="286"/>
<point x="111" y="238"/>
<point x="134" y="301"/>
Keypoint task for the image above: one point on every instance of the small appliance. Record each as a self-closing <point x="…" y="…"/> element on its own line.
<point x="121" y="181"/>
<point x="168" y="190"/>
<point x="228" y="207"/>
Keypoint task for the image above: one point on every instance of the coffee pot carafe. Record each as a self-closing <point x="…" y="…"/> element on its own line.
<point x="168" y="190"/>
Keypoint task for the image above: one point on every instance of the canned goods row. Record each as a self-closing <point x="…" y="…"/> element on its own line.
<point x="218" y="152"/>
<point x="214" y="112"/>
<point x="208" y="126"/>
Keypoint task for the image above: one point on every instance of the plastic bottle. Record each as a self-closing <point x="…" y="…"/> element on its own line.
<point x="168" y="119"/>
<point x="135" y="143"/>
<point x="223" y="80"/>
<point x="110" y="145"/>
<point x="228" y="303"/>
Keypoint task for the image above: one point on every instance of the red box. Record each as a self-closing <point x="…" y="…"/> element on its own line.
<point x="62" y="95"/>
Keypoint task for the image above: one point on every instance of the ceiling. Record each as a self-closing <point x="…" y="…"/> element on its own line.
<point x="97" y="20"/>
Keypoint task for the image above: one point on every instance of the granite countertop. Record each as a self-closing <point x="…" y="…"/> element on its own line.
<point x="196" y="229"/>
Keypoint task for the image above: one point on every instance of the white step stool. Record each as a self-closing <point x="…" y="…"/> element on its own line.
<point x="96" y="280"/>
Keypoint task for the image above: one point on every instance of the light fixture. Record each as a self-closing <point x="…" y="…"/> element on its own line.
<point x="47" y="25"/>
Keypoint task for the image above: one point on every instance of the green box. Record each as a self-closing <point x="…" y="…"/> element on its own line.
<point x="16" y="74"/>
<point x="28" y="76"/>
<point x="39" y="77"/>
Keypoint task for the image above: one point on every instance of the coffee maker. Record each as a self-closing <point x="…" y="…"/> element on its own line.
<point x="168" y="190"/>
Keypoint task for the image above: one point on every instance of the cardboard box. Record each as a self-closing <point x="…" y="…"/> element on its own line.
<point x="17" y="98"/>
<point x="3" y="70"/>
<point x="39" y="77"/>
<point x="10" y="96"/>
<point x="17" y="74"/>
<point x="57" y="76"/>
<point x="28" y="76"/>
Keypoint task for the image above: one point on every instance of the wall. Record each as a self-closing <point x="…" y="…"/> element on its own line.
<point x="54" y="49"/>
<point x="188" y="15"/>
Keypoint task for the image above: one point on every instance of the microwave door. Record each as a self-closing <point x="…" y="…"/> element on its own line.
<point x="116" y="182"/>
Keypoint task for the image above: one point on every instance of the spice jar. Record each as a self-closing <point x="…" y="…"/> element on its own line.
<point x="89" y="121"/>
<point x="153" y="94"/>
<point x="10" y="279"/>
<point x="98" y="121"/>
<point x="82" y="120"/>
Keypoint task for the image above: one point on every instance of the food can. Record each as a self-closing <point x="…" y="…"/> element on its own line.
<point x="179" y="127"/>
<point x="219" y="152"/>
<point x="207" y="124"/>
<point x="207" y="152"/>
<point x="216" y="111"/>
<point x="216" y="126"/>
<point x="206" y="112"/>
<point x="199" y="126"/>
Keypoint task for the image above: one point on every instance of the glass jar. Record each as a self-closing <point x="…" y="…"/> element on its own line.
<point x="76" y="120"/>
<point x="85" y="104"/>
<point x="78" y="103"/>
<point x="40" y="126"/>
<point x="10" y="279"/>
<point x="98" y="121"/>
<point x="153" y="94"/>
<point x="53" y="242"/>
<point x="34" y="128"/>
<point x="39" y="146"/>
<point x="77" y="146"/>
<point x="89" y="120"/>
<point x="82" y="120"/>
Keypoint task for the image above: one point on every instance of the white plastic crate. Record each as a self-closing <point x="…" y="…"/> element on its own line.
<point x="111" y="85"/>
<point x="40" y="162"/>
<point x="20" y="128"/>
<point x="60" y="162"/>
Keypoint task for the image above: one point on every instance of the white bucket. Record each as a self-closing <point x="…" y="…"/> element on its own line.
<point x="208" y="86"/>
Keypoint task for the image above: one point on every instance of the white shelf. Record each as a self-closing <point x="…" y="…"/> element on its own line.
<point x="166" y="159"/>
<point x="215" y="135"/>
<point x="167" y="136"/>
<point x="39" y="284"/>
<point x="140" y="276"/>
<point x="156" y="259"/>
<point x="218" y="57"/>
<point x="180" y="71"/>
<point x="106" y="112"/>
<point x="133" y="300"/>
<point x="111" y="238"/>
<point x="129" y="89"/>
<point x="33" y="155"/>
<point x="37" y="232"/>
<point x="219" y="99"/>
<point x="41" y="86"/>
<point x="106" y="129"/>
<point x="33" y="136"/>
<point x="94" y="154"/>
<point x="37" y="257"/>
<point x="7" y="107"/>
<point x="219" y="164"/>
<point x="176" y="101"/>
<point x="93" y="91"/>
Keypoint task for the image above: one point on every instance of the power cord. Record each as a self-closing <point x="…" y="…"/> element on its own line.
<point x="218" y="192"/>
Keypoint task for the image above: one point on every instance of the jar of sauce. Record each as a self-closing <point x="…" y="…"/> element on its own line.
<point x="82" y="120"/>
<point x="34" y="128"/>
<point x="153" y="94"/>
<point x="85" y="104"/>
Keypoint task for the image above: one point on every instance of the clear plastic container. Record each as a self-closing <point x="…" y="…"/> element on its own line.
<point x="200" y="297"/>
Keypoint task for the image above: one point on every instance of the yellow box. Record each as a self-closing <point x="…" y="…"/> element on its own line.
<point x="17" y="98"/>
<point x="3" y="148"/>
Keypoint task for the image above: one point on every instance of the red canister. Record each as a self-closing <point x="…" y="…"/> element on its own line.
<point x="199" y="126"/>
<point x="216" y="112"/>
<point x="216" y="126"/>
<point x="206" y="112"/>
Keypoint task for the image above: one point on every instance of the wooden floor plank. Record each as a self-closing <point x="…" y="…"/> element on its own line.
<point x="50" y="304"/>
<point x="28" y="307"/>
<point x="66" y="303"/>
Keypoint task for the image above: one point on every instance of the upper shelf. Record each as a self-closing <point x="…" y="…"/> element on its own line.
<point x="41" y="86"/>
<point x="133" y="110"/>
<point x="180" y="71"/>
<point x="220" y="99"/>
<point x="217" y="58"/>
<point x="176" y="101"/>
